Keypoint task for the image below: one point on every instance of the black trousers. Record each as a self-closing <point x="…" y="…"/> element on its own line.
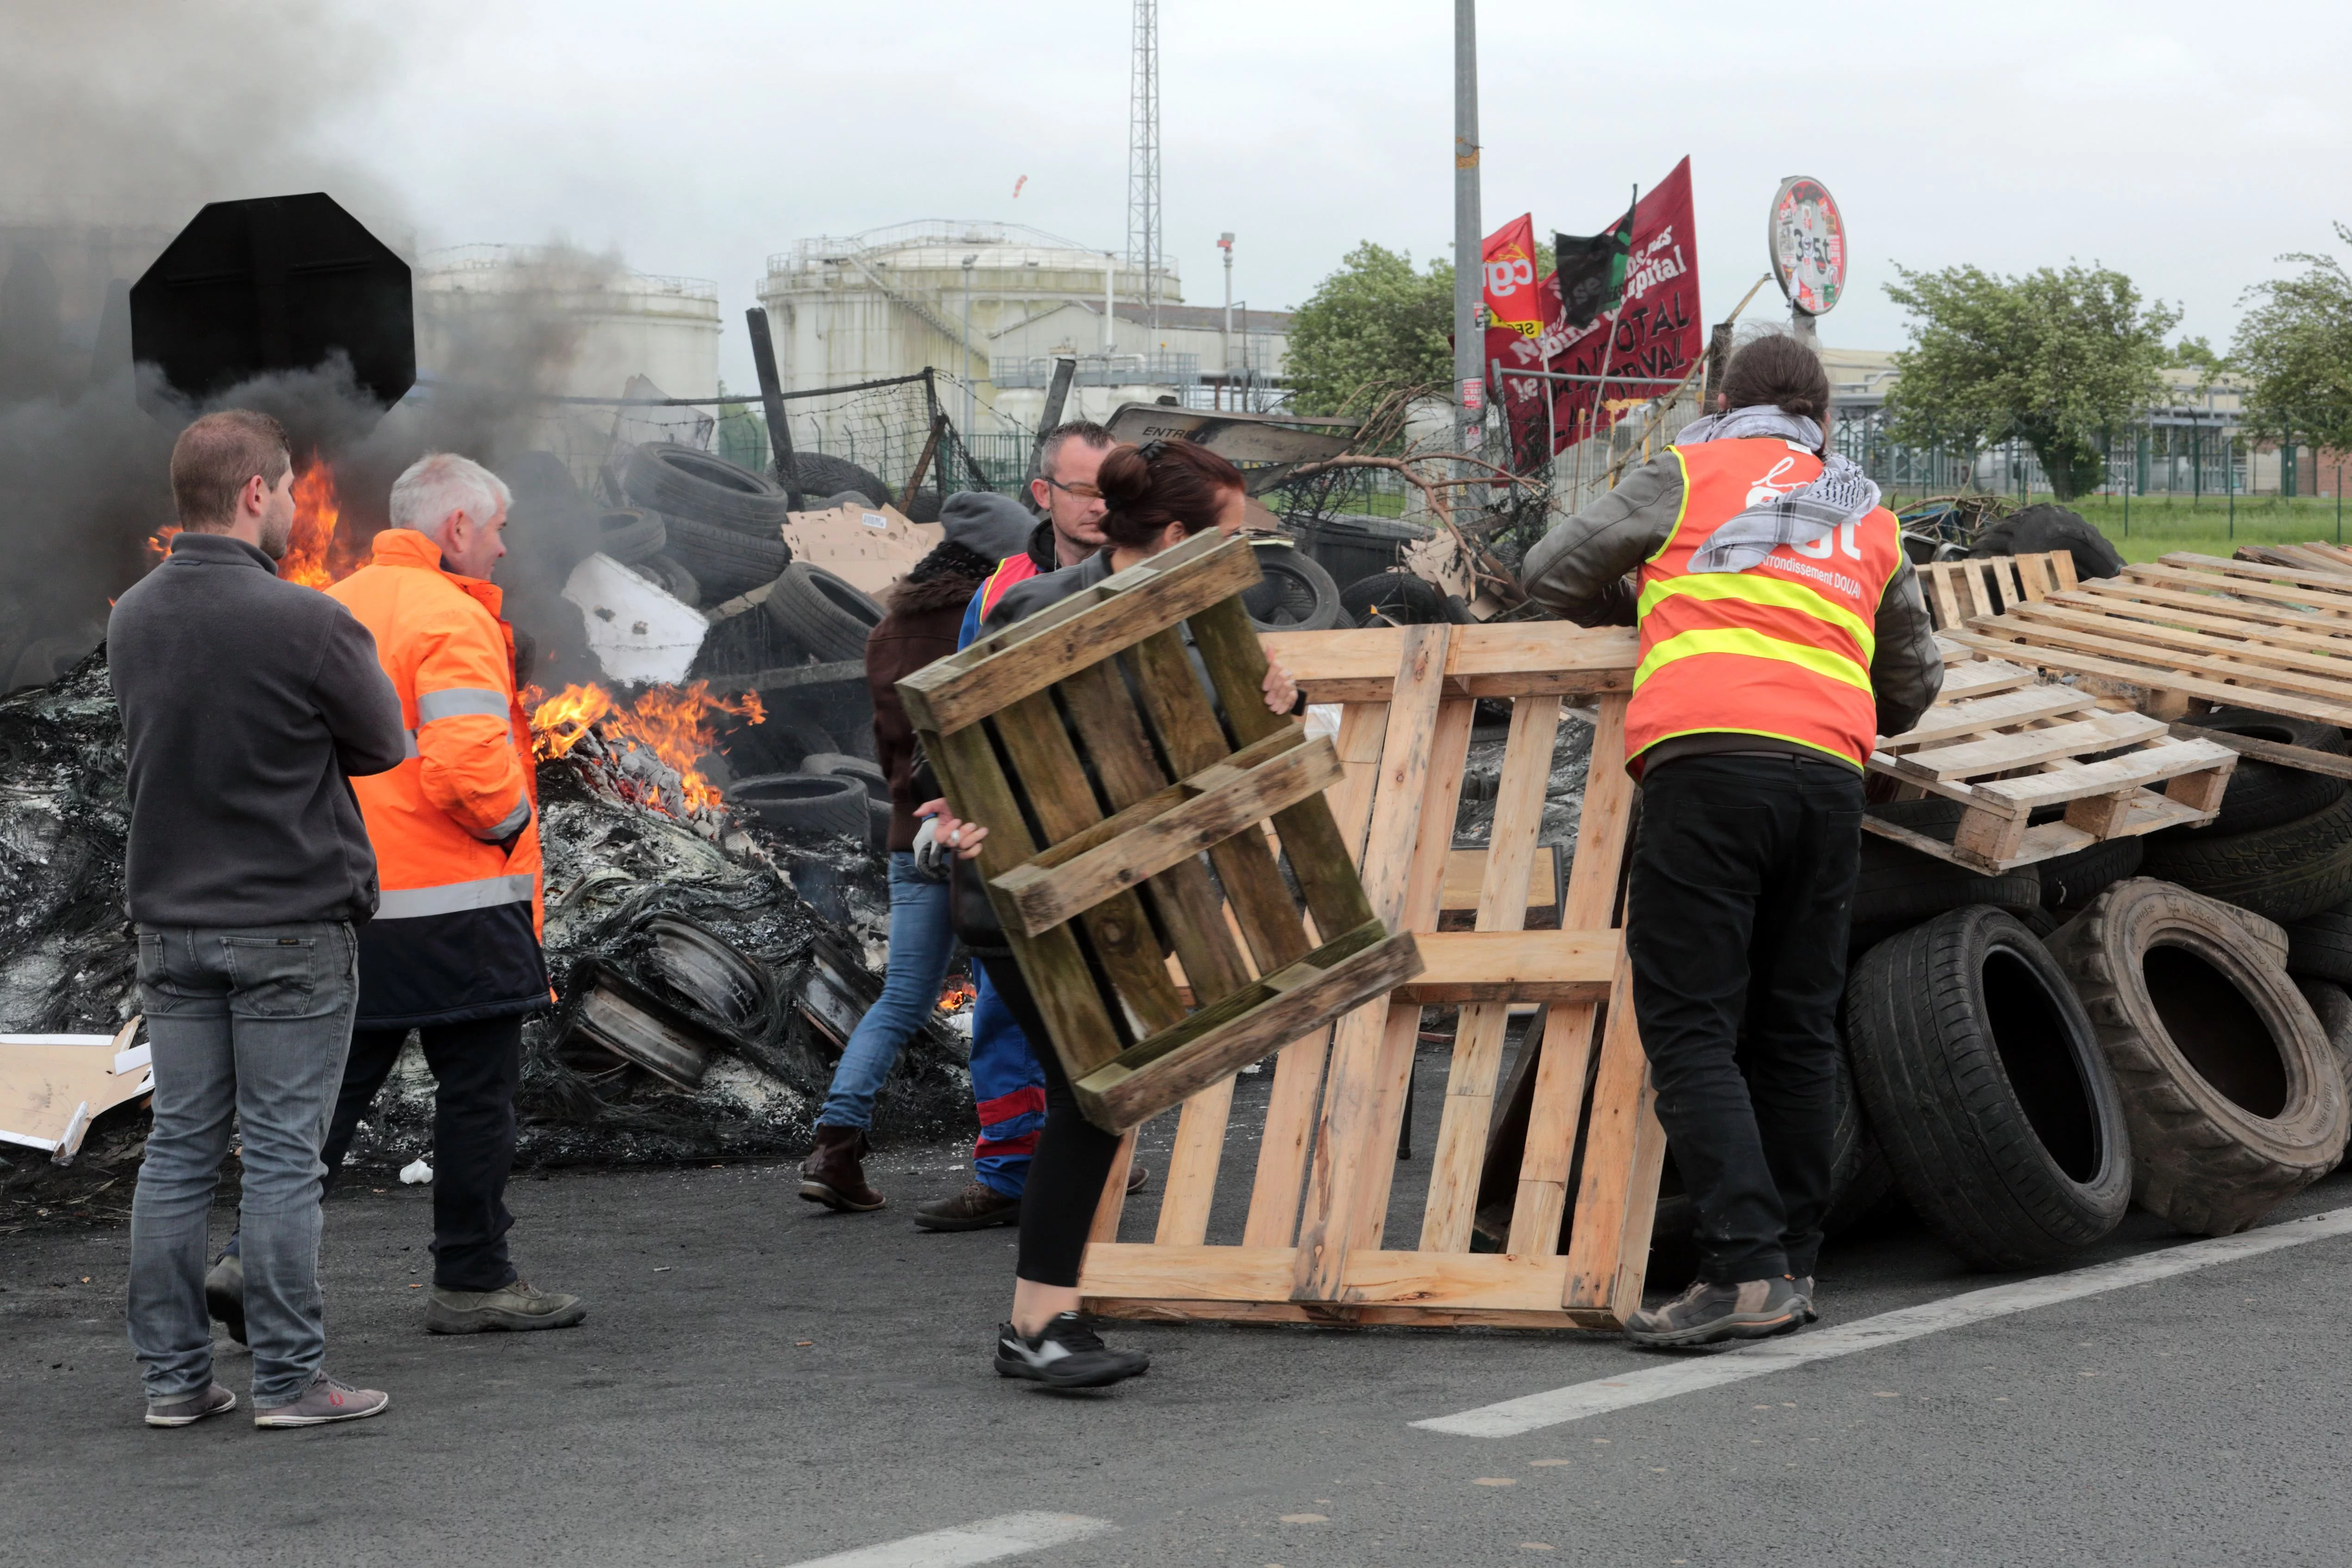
<point x="1736" y="913"/>
<point x="476" y="1066"/>
<point x="1073" y="1159"/>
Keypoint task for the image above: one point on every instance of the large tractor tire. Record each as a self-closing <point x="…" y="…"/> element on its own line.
<point x="2236" y="1100"/>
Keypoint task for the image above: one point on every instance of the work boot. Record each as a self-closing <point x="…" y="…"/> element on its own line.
<point x="832" y="1174"/>
<point x="514" y="1305"/>
<point x="326" y="1400"/>
<point x="1708" y="1313"/>
<point x="212" y="1400"/>
<point x="1066" y="1354"/>
<point x="225" y="1293"/>
<point x="977" y="1208"/>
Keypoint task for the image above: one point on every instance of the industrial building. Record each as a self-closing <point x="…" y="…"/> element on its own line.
<point x="991" y="305"/>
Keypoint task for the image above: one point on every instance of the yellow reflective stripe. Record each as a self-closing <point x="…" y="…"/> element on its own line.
<point x="1753" y="645"/>
<point x="1681" y="508"/>
<point x="1761" y="590"/>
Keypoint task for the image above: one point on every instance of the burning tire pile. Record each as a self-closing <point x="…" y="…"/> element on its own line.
<point x="2036" y="1051"/>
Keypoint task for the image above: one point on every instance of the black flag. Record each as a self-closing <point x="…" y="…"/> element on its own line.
<point x="1592" y="271"/>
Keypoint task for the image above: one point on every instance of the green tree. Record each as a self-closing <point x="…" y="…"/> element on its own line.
<point x="2058" y="359"/>
<point x="1375" y="320"/>
<point x="2294" y="345"/>
<point x="2196" y="353"/>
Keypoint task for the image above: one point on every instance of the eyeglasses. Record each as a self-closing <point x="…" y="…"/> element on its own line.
<point x="1083" y="492"/>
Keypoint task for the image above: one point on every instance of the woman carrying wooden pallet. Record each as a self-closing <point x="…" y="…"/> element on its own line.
<point x="1158" y="495"/>
<point x="1782" y="632"/>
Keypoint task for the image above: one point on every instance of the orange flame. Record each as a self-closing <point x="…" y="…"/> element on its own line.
<point x="317" y="510"/>
<point x="957" y="994"/>
<point x="311" y="558"/>
<point x="676" y="724"/>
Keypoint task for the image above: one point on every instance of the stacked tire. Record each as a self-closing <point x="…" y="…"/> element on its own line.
<point x="723" y="525"/>
<point x="2024" y="1079"/>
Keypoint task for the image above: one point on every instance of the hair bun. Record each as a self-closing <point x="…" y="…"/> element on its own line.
<point x="1125" y="477"/>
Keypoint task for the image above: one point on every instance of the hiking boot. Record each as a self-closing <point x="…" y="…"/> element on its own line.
<point x="977" y="1208"/>
<point x="1708" y="1314"/>
<point x="212" y="1400"/>
<point x="514" y="1305"/>
<point x="1138" y="1178"/>
<point x="1066" y="1354"/>
<point x="832" y="1174"/>
<point x="326" y="1400"/>
<point x="1805" y="1289"/>
<point x="225" y="1293"/>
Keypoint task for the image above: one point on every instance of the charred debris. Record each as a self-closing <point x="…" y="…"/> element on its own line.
<point x="706" y="968"/>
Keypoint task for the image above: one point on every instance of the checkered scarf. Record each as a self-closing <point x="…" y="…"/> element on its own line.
<point x="1842" y="493"/>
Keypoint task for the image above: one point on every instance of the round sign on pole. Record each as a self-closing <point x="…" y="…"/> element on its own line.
<point x="1808" y="242"/>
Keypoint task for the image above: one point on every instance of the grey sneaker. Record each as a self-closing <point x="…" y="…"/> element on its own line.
<point x="225" y="1293"/>
<point x="1707" y="1314"/>
<point x="514" y="1306"/>
<point x="212" y="1400"/>
<point x="1805" y="1289"/>
<point x="326" y="1400"/>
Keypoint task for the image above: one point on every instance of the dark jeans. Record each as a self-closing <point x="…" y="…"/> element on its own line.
<point x="476" y="1066"/>
<point x="248" y="1025"/>
<point x="1742" y="885"/>
<point x="1074" y="1155"/>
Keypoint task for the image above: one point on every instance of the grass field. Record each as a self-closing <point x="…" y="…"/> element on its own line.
<point x="2149" y="526"/>
<point x="2154" y="525"/>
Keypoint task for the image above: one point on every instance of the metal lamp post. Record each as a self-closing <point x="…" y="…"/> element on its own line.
<point x="970" y="388"/>
<point x="1225" y="350"/>
<point x="1469" y="254"/>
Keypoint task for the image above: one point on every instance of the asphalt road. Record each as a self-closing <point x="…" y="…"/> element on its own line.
<point x="760" y="1383"/>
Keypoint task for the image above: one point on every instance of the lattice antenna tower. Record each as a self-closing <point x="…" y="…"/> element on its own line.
<point x="1144" y="239"/>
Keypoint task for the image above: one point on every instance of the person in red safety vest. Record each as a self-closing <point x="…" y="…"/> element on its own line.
<point x="1781" y="632"/>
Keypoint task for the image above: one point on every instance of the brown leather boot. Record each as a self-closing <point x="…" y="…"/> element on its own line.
<point x="831" y="1176"/>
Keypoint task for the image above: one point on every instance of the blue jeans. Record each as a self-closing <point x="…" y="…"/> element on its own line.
<point x="921" y="942"/>
<point x="254" y="1023"/>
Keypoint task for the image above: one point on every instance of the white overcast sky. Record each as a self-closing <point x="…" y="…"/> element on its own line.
<point x="2186" y="144"/>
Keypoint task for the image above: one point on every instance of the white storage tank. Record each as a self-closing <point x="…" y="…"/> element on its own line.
<point x="579" y="325"/>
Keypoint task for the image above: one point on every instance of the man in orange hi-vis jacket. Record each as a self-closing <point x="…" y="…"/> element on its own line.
<point x="1781" y="632"/>
<point x="454" y="949"/>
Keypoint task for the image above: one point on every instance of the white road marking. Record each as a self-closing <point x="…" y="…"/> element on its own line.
<point x="1532" y="1412"/>
<point x="983" y="1541"/>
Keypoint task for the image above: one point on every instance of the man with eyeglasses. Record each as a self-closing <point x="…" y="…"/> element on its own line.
<point x="1007" y="1085"/>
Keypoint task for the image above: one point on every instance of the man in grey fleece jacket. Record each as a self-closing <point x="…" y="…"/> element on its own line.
<point x="248" y="703"/>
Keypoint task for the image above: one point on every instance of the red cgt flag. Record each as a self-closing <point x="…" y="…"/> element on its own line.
<point x="1513" y="301"/>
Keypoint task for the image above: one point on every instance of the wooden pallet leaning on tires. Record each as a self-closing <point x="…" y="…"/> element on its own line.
<point x="1990" y="584"/>
<point x="1026" y="723"/>
<point x="2004" y="746"/>
<point x="1305" y="1230"/>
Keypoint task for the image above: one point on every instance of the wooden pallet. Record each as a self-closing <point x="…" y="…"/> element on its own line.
<point x="2005" y="745"/>
<point x="2190" y="626"/>
<point x="2313" y="555"/>
<point x="1311" y="1244"/>
<point x="1098" y="693"/>
<point x="1956" y="590"/>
